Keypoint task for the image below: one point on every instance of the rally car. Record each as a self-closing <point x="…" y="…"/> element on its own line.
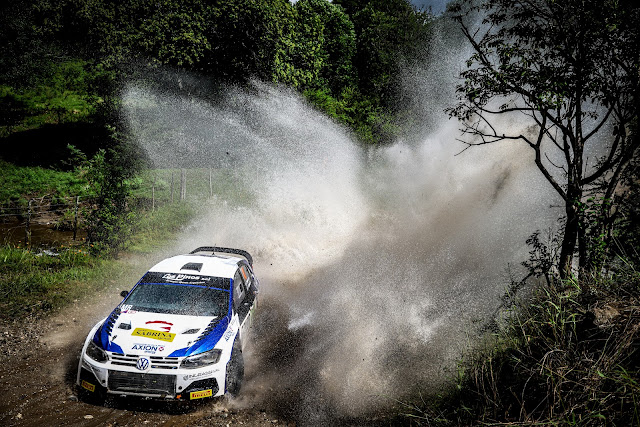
<point x="179" y="333"/>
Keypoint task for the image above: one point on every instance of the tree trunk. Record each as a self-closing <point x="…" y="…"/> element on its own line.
<point x="582" y="249"/>
<point x="568" y="242"/>
<point x="572" y="229"/>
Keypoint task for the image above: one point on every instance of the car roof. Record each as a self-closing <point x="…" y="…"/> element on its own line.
<point x="199" y="264"/>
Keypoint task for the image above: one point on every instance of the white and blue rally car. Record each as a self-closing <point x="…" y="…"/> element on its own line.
<point x="178" y="334"/>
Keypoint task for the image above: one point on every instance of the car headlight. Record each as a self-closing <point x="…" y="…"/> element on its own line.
<point x="96" y="353"/>
<point x="203" y="359"/>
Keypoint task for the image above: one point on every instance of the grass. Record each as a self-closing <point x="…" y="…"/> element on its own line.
<point x="38" y="282"/>
<point x="21" y="183"/>
<point x="34" y="282"/>
<point x="31" y="281"/>
<point x="569" y="355"/>
<point x="155" y="228"/>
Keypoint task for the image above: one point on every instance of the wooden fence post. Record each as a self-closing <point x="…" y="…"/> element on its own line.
<point x="153" y="194"/>
<point x="75" y="218"/>
<point x="27" y="228"/>
<point x="171" y="186"/>
<point x="210" y="183"/>
<point x="183" y="184"/>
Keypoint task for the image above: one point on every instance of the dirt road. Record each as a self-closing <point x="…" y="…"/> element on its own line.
<point x="284" y="384"/>
<point x="38" y="364"/>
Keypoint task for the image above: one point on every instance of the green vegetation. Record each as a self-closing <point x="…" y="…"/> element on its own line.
<point x="568" y="355"/>
<point x="62" y="94"/>
<point x="20" y="183"/>
<point x="65" y="60"/>
<point x="38" y="281"/>
<point x="33" y="282"/>
<point x="569" y="352"/>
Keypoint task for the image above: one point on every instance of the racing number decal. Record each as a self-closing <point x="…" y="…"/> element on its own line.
<point x="87" y="385"/>
<point x="200" y="394"/>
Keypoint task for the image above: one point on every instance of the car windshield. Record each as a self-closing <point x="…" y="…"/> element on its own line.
<point x="183" y="299"/>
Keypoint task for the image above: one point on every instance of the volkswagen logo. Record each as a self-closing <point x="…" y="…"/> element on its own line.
<point x="143" y="364"/>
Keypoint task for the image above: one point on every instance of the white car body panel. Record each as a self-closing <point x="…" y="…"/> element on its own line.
<point x="145" y="350"/>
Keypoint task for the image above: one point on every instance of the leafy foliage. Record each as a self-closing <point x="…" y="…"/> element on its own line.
<point x="352" y="53"/>
<point x="61" y="94"/>
<point x="109" y="175"/>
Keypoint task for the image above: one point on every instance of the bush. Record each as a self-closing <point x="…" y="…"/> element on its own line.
<point x="568" y="355"/>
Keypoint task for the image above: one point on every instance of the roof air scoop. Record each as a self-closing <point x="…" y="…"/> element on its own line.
<point x="194" y="266"/>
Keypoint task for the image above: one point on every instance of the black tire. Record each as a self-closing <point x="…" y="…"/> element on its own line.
<point x="235" y="371"/>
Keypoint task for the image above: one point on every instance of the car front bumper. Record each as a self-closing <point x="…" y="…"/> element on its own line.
<point x="160" y="381"/>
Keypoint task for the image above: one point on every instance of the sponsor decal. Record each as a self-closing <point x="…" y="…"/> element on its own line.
<point x="125" y="308"/>
<point x="200" y="394"/>
<point x="228" y="334"/>
<point x="186" y="278"/>
<point x="143" y="364"/>
<point x="148" y="348"/>
<point x="154" y="335"/>
<point x="88" y="386"/>
<point x="198" y="375"/>
<point x="166" y="328"/>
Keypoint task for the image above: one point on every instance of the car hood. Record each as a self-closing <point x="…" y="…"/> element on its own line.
<point x="158" y="334"/>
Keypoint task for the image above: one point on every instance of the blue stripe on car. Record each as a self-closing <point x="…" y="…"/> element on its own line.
<point x="101" y="337"/>
<point x="208" y="342"/>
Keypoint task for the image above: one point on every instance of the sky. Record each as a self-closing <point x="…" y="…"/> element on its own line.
<point x="437" y="6"/>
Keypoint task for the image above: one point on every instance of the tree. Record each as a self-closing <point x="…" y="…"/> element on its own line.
<point x="244" y="37"/>
<point x="110" y="176"/>
<point x="390" y="34"/>
<point x="338" y="41"/>
<point x="568" y="71"/>
<point x="175" y="32"/>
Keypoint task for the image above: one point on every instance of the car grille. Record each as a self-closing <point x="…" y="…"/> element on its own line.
<point x="141" y="383"/>
<point x="157" y="362"/>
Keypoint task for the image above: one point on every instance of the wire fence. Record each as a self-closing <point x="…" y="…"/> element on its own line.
<point x="153" y="189"/>
<point x="171" y="185"/>
<point x="63" y="213"/>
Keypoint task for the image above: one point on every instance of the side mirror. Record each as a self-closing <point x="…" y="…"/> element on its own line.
<point x="123" y="294"/>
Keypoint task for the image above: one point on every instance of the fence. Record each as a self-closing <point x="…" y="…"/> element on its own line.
<point x="153" y="189"/>
<point x="60" y="213"/>
<point x="170" y="185"/>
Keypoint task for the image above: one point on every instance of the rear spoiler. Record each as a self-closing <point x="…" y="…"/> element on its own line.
<point x="214" y="249"/>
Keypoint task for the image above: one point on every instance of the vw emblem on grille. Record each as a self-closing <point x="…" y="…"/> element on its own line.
<point x="143" y="364"/>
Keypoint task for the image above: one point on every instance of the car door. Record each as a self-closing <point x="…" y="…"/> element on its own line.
<point x="247" y="304"/>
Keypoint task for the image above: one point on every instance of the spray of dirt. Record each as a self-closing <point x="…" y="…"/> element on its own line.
<point x="374" y="262"/>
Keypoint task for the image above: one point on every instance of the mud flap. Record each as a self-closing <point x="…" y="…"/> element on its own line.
<point x="235" y="370"/>
<point x="89" y="389"/>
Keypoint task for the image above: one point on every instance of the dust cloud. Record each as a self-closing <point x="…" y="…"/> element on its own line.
<point x="376" y="263"/>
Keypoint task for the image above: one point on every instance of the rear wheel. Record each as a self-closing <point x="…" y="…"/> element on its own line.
<point x="235" y="371"/>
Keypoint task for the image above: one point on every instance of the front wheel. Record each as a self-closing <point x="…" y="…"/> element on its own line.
<point x="235" y="371"/>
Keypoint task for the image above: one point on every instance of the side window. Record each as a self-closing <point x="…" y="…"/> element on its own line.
<point x="238" y="289"/>
<point x="246" y="275"/>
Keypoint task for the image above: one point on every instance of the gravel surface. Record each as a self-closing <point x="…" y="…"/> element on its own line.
<point x="38" y="364"/>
